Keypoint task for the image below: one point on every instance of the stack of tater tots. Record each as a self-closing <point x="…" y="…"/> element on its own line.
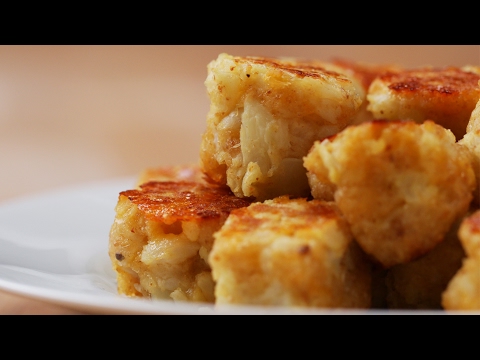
<point x="319" y="184"/>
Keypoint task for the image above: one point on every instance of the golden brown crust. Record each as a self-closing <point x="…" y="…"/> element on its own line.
<point x="436" y="83"/>
<point x="264" y="115"/>
<point x="445" y="95"/>
<point x="463" y="291"/>
<point x="393" y="188"/>
<point x="362" y="74"/>
<point x="162" y="235"/>
<point x="170" y="201"/>
<point x="390" y="181"/>
<point x="289" y="252"/>
<point x="245" y="222"/>
<point x="296" y="67"/>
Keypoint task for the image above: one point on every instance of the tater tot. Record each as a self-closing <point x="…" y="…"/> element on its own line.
<point x="400" y="184"/>
<point x="463" y="291"/>
<point x="289" y="252"/>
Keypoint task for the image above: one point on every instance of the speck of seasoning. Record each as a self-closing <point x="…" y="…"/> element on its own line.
<point x="248" y="75"/>
<point x="119" y="257"/>
<point x="305" y="249"/>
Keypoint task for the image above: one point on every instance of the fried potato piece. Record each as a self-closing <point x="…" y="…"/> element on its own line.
<point x="289" y="252"/>
<point x="419" y="284"/>
<point x="399" y="184"/>
<point x="463" y="291"/>
<point x="474" y="121"/>
<point x="264" y="116"/>
<point x="447" y="96"/>
<point x="469" y="234"/>
<point x="161" y="237"/>
<point x="471" y="140"/>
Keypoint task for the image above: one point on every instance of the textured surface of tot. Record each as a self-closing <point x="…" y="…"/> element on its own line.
<point x="474" y="121"/>
<point x="289" y="252"/>
<point x="472" y="141"/>
<point x="463" y="291"/>
<point x="401" y="185"/>
<point x="419" y="284"/>
<point x="264" y="116"/>
<point x="447" y="96"/>
<point x="361" y="74"/>
<point x="162" y="235"/>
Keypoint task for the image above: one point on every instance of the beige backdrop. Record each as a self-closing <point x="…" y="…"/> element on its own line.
<point x="71" y="114"/>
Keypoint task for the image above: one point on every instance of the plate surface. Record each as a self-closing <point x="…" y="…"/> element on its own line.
<point x="54" y="247"/>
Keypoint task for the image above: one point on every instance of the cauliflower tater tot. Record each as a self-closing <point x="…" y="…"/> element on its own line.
<point x="400" y="184"/>
<point x="446" y="96"/>
<point x="162" y="234"/>
<point x="264" y="116"/>
<point x="463" y="291"/>
<point x="419" y="284"/>
<point x="474" y="121"/>
<point x="289" y="252"/>
<point x="472" y="141"/>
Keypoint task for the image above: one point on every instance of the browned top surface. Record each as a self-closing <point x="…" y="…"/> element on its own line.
<point x="446" y="81"/>
<point x="298" y="68"/>
<point x="281" y="215"/>
<point x="169" y="201"/>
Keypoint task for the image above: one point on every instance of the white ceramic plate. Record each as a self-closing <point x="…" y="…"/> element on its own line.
<point x="54" y="247"/>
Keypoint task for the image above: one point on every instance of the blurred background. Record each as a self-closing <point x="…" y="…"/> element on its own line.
<point x="73" y="114"/>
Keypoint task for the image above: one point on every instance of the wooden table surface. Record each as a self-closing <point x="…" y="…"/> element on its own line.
<point x="72" y="114"/>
